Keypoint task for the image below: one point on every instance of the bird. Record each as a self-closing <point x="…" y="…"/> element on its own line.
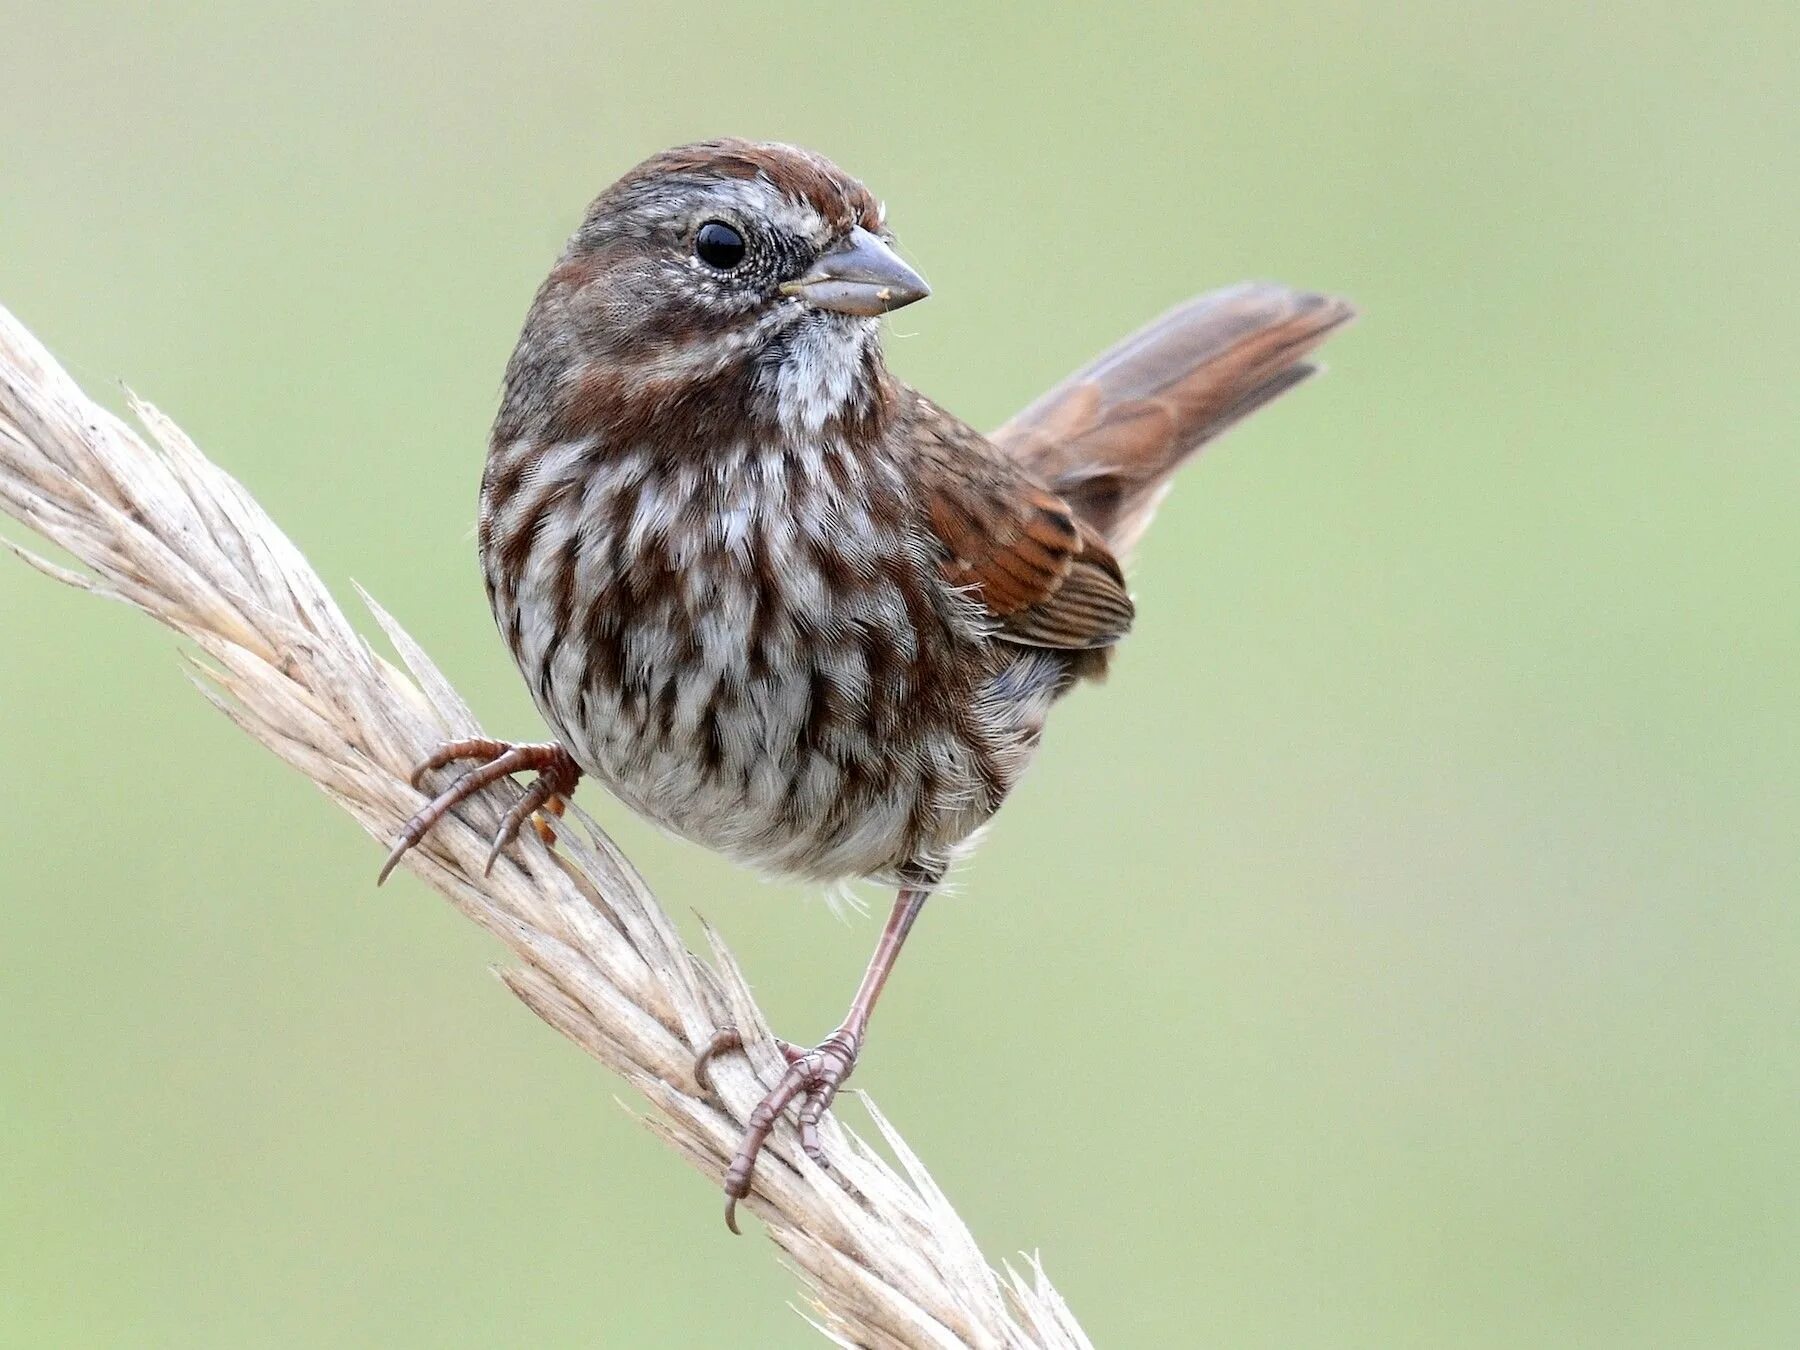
<point x="776" y="600"/>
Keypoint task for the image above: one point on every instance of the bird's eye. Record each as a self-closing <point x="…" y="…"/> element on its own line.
<point x="718" y="245"/>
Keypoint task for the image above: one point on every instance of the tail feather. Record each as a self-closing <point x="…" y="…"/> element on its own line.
<point x="1110" y="437"/>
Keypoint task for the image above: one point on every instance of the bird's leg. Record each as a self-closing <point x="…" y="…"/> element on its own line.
<point x="813" y="1076"/>
<point x="557" y="775"/>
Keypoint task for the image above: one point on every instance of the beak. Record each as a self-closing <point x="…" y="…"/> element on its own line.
<point x="860" y="276"/>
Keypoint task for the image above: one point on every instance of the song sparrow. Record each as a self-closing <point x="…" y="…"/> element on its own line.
<point x="776" y="600"/>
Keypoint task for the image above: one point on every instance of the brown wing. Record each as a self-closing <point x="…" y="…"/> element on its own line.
<point x="1046" y="576"/>
<point x="1109" y="438"/>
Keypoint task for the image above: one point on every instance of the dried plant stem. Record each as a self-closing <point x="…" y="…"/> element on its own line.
<point x="885" y="1260"/>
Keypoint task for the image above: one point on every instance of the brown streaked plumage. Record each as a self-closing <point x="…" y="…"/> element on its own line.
<point x="779" y="602"/>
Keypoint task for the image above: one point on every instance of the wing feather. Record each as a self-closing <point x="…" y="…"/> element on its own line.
<point x="1044" y="576"/>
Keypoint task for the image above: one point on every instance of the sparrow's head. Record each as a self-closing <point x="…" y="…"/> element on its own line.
<point x="756" y="265"/>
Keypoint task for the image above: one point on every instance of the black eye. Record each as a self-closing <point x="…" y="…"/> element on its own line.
<point x="718" y="245"/>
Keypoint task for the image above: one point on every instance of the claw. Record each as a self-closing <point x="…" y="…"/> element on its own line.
<point x="546" y="789"/>
<point x="725" y="1038"/>
<point x="557" y="777"/>
<point x="393" y="859"/>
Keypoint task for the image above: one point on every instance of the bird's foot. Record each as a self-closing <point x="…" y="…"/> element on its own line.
<point x="813" y="1078"/>
<point x="557" y="775"/>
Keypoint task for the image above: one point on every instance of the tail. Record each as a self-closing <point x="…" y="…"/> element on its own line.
<point x="1110" y="437"/>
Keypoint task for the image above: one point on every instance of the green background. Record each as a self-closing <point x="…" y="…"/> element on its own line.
<point x="1400" y="950"/>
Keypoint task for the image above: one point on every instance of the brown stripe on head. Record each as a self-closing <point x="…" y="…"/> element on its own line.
<point x="801" y="175"/>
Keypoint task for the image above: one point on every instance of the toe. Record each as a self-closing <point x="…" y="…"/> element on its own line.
<point x="721" y="1041"/>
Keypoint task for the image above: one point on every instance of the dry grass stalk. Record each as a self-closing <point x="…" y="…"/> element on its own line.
<point x="885" y="1260"/>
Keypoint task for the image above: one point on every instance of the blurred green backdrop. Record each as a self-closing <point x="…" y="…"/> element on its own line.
<point x="1401" y="950"/>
